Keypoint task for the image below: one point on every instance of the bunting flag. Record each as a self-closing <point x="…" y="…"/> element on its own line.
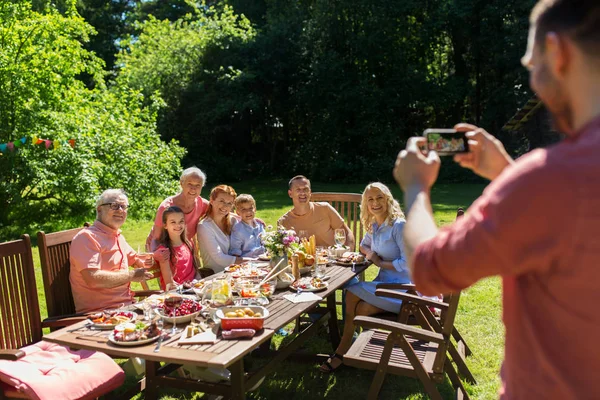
<point x="11" y="146"/>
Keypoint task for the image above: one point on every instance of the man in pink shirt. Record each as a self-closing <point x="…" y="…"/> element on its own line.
<point x="537" y="224"/>
<point x="100" y="258"/>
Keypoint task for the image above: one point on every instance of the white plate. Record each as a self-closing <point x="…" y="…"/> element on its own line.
<point x="111" y="339"/>
<point x="133" y="317"/>
<point x="313" y="289"/>
<point x="264" y="257"/>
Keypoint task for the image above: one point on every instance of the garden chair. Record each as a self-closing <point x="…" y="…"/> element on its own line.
<point x="417" y="310"/>
<point x="29" y="367"/>
<point x="348" y="206"/>
<point x="400" y="349"/>
<point x="54" y="251"/>
<point x="426" y="318"/>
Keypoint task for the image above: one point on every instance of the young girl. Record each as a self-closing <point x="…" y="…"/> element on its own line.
<point x="181" y="265"/>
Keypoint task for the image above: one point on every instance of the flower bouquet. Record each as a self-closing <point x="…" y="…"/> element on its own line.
<point x="279" y="242"/>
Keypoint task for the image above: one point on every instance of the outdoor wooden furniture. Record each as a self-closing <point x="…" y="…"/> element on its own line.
<point x="54" y="251"/>
<point x="348" y="206"/>
<point x="21" y="326"/>
<point x="400" y="349"/>
<point x="223" y="354"/>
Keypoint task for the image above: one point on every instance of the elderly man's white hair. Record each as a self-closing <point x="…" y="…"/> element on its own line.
<point x="110" y="194"/>
<point x="193" y="172"/>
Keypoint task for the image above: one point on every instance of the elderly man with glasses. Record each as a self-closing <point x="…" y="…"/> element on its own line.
<point x="100" y="258"/>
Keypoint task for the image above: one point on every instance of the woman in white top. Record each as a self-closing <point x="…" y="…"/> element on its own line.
<point x="214" y="230"/>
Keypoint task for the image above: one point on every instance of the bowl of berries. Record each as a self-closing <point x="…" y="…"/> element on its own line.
<point x="179" y="311"/>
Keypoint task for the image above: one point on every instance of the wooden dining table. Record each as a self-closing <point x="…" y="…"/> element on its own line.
<point x="224" y="353"/>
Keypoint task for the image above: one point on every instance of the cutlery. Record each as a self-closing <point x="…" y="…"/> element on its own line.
<point x="86" y="325"/>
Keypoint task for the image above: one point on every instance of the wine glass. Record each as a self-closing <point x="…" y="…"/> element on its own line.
<point x="339" y="237"/>
<point x="173" y="302"/>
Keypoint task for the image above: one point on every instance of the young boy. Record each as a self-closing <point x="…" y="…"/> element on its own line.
<point x="245" y="239"/>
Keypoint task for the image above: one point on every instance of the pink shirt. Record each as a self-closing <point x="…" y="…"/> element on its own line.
<point x="191" y="219"/>
<point x="183" y="270"/>
<point x="99" y="247"/>
<point x="538" y="226"/>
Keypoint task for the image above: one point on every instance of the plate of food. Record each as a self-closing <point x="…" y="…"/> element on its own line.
<point x="179" y="310"/>
<point x="110" y="319"/>
<point x="248" y="271"/>
<point x="351" y="258"/>
<point x="309" y="284"/>
<point x="264" y="257"/>
<point x="130" y="334"/>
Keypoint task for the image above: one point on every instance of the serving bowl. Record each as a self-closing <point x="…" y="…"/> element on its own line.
<point x="255" y="323"/>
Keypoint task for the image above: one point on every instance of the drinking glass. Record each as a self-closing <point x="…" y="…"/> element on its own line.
<point x="320" y="271"/>
<point x="340" y="237"/>
<point x="148" y="311"/>
<point x="146" y="257"/>
<point x="303" y="234"/>
<point x="221" y="291"/>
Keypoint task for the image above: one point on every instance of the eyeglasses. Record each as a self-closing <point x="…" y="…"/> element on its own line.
<point x="116" y="206"/>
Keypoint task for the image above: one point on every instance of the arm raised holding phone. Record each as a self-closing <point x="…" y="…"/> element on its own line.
<point x="487" y="156"/>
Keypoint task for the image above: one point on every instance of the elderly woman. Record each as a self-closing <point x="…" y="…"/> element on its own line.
<point x="188" y="200"/>
<point x="214" y="230"/>
<point x="384" y="221"/>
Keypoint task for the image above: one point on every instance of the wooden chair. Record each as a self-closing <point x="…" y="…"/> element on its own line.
<point x="54" y="251"/>
<point x="20" y="322"/>
<point x="424" y="317"/>
<point x="348" y="206"/>
<point x="400" y="349"/>
<point x="407" y="315"/>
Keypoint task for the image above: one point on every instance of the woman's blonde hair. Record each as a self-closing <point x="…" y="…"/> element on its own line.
<point x="217" y="190"/>
<point x="393" y="207"/>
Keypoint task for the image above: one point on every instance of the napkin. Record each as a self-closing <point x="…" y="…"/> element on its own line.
<point x="302" y="297"/>
<point x="207" y="337"/>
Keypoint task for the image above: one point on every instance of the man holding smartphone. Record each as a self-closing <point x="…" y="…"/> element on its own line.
<point x="537" y="224"/>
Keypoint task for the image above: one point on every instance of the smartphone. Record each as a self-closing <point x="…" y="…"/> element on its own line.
<point x="446" y="142"/>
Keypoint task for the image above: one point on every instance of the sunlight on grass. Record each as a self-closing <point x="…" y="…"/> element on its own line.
<point x="478" y="317"/>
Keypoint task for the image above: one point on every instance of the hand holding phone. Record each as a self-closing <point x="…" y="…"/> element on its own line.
<point x="446" y="142"/>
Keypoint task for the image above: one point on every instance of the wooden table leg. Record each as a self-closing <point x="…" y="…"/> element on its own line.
<point x="238" y="380"/>
<point x="334" y="330"/>
<point x="151" y="392"/>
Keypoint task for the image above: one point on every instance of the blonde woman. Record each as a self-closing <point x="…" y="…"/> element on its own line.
<point x="384" y="221"/>
<point x="214" y="230"/>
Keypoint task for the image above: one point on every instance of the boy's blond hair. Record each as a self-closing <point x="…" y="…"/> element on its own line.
<point x="244" y="198"/>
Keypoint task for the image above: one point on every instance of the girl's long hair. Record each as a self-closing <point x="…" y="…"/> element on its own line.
<point x="217" y="190"/>
<point x="165" y="239"/>
<point x="393" y="207"/>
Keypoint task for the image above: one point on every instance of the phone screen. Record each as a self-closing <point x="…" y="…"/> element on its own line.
<point x="446" y="141"/>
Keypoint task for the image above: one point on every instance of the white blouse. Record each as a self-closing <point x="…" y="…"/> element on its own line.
<point x="214" y="245"/>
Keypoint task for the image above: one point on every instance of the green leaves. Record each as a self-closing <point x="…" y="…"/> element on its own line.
<point x="116" y="144"/>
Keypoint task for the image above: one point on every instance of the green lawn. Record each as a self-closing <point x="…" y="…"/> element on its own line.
<point x="478" y="318"/>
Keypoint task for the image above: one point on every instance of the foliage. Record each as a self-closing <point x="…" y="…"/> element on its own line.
<point x="328" y="89"/>
<point x="116" y="144"/>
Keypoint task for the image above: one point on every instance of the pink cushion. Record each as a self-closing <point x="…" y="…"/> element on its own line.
<point x="50" y="371"/>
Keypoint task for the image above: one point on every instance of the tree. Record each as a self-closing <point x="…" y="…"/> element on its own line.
<point x="116" y="144"/>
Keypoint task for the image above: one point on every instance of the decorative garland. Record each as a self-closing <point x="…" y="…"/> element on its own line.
<point x="11" y="146"/>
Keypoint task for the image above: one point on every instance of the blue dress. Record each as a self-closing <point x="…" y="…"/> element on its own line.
<point x="387" y="242"/>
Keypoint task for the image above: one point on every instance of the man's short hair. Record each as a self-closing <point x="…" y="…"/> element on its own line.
<point x="110" y="194"/>
<point x="244" y="198"/>
<point x="578" y="19"/>
<point x="297" y="178"/>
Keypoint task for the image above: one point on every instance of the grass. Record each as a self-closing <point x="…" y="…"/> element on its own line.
<point x="478" y="317"/>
